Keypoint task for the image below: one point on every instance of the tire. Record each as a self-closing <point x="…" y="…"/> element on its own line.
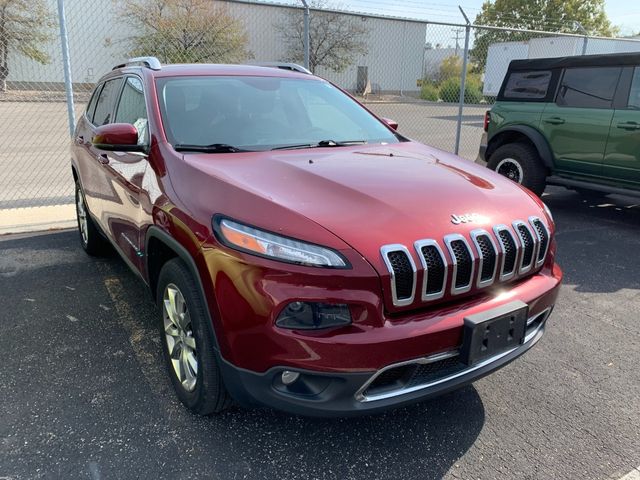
<point x="91" y="238"/>
<point x="189" y="338"/>
<point x="522" y="164"/>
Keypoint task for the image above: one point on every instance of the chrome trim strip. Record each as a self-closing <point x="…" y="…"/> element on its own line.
<point x="505" y="276"/>
<point x="396" y="247"/>
<point x="418" y="247"/>
<point x="474" y="237"/>
<point x="448" y="239"/>
<point x="361" y="397"/>
<point x="534" y="238"/>
<point x="532" y="221"/>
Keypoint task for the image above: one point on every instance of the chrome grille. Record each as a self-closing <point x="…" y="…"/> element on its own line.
<point x="494" y="255"/>
<point x="463" y="264"/>
<point x="509" y="249"/>
<point x="543" y="237"/>
<point x="528" y="246"/>
<point x="435" y="269"/>
<point x="403" y="273"/>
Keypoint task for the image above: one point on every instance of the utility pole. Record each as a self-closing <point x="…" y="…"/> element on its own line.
<point x="459" y="34"/>
<point x="306" y="34"/>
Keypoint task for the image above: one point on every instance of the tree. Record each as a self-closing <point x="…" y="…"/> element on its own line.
<point x="25" y="27"/>
<point x="189" y="31"/>
<point x="544" y="15"/>
<point x="335" y="39"/>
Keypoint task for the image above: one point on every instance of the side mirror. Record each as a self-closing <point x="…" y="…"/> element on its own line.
<point x="392" y="123"/>
<point x="117" y="137"/>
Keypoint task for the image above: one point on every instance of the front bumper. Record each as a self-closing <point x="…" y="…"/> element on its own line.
<point x="344" y="394"/>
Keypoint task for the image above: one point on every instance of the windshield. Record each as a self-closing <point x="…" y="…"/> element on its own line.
<point x="263" y="113"/>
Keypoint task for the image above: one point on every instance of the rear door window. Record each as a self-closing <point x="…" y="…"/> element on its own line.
<point x="106" y="102"/>
<point x="532" y="85"/>
<point x="592" y="87"/>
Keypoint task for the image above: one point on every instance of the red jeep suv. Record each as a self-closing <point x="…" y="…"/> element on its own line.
<point x="303" y="254"/>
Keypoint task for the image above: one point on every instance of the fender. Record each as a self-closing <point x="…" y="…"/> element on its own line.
<point x="538" y="140"/>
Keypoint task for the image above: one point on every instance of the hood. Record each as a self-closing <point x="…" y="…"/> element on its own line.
<point x="370" y="196"/>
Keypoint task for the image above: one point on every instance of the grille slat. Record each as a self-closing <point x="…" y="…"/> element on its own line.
<point x="528" y="245"/>
<point x="510" y="251"/>
<point x="403" y="273"/>
<point x="463" y="263"/>
<point x="543" y="237"/>
<point x="488" y="256"/>
<point x="435" y="269"/>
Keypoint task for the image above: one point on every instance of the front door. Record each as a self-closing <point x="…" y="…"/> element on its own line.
<point x="122" y="211"/>
<point x="577" y="124"/>
<point x="622" y="157"/>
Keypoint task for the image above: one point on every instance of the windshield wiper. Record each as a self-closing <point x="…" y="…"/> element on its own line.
<point x="213" y="148"/>
<point x="321" y="144"/>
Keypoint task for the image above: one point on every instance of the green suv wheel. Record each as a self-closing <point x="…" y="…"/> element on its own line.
<point x="520" y="162"/>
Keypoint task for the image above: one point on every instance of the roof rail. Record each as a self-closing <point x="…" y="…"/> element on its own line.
<point x="150" y="62"/>
<point x="294" y="67"/>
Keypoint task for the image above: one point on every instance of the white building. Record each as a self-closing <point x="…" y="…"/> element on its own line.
<point x="97" y="42"/>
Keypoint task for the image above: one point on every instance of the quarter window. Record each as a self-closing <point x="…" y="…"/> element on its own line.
<point x="132" y="109"/>
<point x="91" y="108"/>
<point x="589" y="87"/>
<point x="106" y="100"/>
<point x="532" y="85"/>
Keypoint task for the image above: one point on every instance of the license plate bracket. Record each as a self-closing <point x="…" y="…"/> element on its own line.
<point x="495" y="331"/>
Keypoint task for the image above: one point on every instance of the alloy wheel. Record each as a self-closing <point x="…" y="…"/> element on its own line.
<point x="82" y="217"/>
<point x="181" y="343"/>
<point x="511" y="169"/>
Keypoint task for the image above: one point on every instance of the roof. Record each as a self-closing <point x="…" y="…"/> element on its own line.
<point x="611" y="59"/>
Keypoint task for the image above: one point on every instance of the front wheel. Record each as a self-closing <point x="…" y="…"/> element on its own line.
<point x="187" y="340"/>
<point x="522" y="164"/>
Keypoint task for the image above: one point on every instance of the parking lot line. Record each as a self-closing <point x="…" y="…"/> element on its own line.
<point x="632" y="475"/>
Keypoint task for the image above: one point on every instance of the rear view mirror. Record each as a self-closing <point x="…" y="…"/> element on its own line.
<point x="117" y="137"/>
<point x="392" y="123"/>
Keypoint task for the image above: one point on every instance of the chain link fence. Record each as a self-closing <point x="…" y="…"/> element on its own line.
<point x="409" y="70"/>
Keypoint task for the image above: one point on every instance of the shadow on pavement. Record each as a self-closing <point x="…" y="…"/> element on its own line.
<point x="598" y="239"/>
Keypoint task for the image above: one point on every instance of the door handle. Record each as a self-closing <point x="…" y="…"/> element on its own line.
<point x="629" y="126"/>
<point x="103" y="158"/>
<point x="554" y="121"/>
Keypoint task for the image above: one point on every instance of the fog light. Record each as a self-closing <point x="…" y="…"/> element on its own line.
<point x="313" y="316"/>
<point x="289" y="377"/>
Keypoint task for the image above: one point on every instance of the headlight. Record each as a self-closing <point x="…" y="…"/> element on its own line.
<point x="265" y="244"/>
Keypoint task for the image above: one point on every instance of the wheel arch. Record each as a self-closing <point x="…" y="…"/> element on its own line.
<point x="160" y="247"/>
<point x="522" y="134"/>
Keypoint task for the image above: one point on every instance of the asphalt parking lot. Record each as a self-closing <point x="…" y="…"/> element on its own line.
<point x="84" y="393"/>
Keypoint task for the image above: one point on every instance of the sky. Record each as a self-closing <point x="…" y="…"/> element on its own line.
<point x="623" y="13"/>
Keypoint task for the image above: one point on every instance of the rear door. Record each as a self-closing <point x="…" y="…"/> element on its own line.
<point x="102" y="186"/>
<point x="577" y="123"/>
<point x="622" y="157"/>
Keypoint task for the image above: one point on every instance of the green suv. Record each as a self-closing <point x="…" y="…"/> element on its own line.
<point x="572" y="121"/>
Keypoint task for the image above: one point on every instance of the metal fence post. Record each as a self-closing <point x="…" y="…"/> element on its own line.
<point x="68" y="86"/>
<point x="306" y="34"/>
<point x="463" y="80"/>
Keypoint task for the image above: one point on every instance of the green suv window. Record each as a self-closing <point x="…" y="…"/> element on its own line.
<point x="588" y="87"/>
